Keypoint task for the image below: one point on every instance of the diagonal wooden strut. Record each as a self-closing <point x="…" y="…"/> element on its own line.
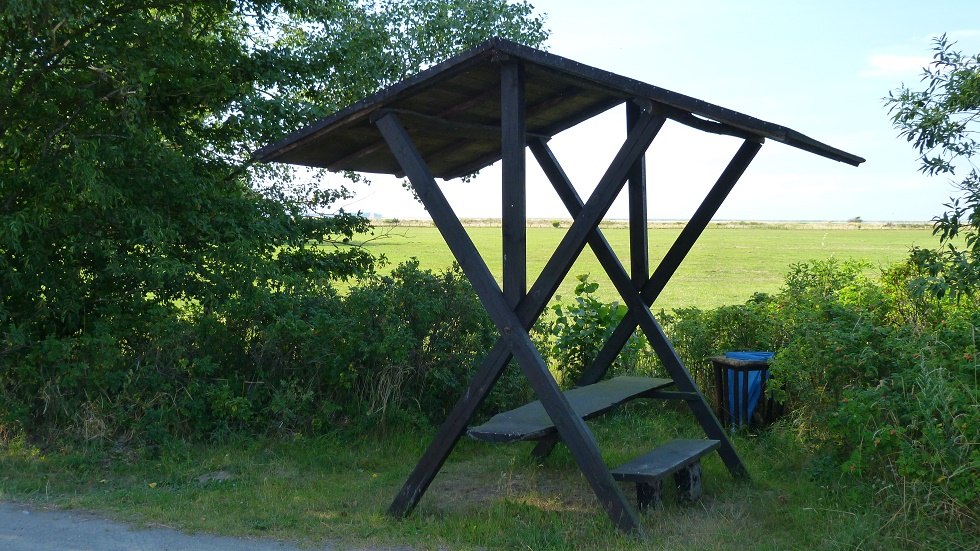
<point x="675" y="255"/>
<point x="571" y="428"/>
<point x="529" y="309"/>
<point x="639" y="303"/>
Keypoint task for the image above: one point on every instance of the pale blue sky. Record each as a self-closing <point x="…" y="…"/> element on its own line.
<point x="819" y="67"/>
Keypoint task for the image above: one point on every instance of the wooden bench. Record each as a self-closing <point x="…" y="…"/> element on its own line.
<point x="682" y="458"/>
<point x="531" y="421"/>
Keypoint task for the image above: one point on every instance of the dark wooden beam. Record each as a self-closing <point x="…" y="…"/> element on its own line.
<point x="461" y="107"/>
<point x="464" y="134"/>
<point x="707" y="125"/>
<point x="639" y="310"/>
<point x="553" y="100"/>
<point x="427" y="124"/>
<point x="598" y="108"/>
<point x="476" y="164"/>
<point x="572" y="429"/>
<point x="451" y="430"/>
<point x="637" y="187"/>
<point x="356" y="155"/>
<point x="513" y="137"/>
<point x="611" y="183"/>
<point x="675" y="256"/>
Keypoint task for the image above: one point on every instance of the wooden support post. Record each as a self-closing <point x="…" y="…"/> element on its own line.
<point x="572" y="428"/>
<point x="688" y="481"/>
<point x="637" y="186"/>
<point x="513" y="175"/>
<point x="451" y="430"/>
<point x="649" y="495"/>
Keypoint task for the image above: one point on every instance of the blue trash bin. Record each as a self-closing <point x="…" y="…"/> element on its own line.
<point x="740" y="382"/>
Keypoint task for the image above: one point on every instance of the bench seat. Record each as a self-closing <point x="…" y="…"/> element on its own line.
<point x="531" y="421"/>
<point x="682" y="458"/>
<point x="664" y="460"/>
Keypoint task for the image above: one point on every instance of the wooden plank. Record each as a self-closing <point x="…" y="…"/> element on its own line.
<point x="422" y="125"/>
<point x="513" y="221"/>
<point x="531" y="421"/>
<point x="637" y="186"/>
<point x="664" y="460"/>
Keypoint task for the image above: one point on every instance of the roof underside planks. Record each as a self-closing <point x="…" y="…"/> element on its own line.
<point x="452" y="112"/>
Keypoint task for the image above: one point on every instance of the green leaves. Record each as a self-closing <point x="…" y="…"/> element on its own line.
<point x="129" y="208"/>
<point x="941" y="123"/>
<point x="573" y="337"/>
<point x="938" y="120"/>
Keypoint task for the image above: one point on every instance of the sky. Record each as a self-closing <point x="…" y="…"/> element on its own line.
<point x="819" y="67"/>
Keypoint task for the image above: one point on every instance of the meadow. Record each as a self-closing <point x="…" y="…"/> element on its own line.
<point x="729" y="263"/>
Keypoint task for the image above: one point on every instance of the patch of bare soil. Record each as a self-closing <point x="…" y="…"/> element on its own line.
<point x="472" y="484"/>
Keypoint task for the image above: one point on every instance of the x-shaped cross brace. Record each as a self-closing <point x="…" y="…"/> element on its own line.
<point x="639" y="302"/>
<point x="514" y="323"/>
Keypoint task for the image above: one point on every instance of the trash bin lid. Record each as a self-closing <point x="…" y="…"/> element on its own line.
<point x="750" y="356"/>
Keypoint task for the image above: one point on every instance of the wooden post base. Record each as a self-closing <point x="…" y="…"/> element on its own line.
<point x="649" y="491"/>
<point x="688" y="481"/>
<point x="649" y="495"/>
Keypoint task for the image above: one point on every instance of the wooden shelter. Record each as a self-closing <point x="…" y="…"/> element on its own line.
<point x="490" y="104"/>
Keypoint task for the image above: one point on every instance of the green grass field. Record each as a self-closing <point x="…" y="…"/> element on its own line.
<point x="335" y="489"/>
<point x="728" y="264"/>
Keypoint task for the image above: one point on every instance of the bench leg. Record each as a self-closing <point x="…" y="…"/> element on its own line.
<point x="648" y="495"/>
<point x="688" y="482"/>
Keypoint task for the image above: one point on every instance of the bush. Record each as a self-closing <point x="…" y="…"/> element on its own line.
<point x="416" y="340"/>
<point x="831" y="333"/>
<point x="881" y="378"/>
<point x="573" y="337"/>
<point x="699" y="334"/>
<point x="917" y="428"/>
<point x="270" y="361"/>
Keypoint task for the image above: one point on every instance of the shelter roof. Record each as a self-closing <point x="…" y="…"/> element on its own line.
<point x="452" y="111"/>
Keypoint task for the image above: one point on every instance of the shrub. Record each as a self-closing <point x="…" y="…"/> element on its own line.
<point x="269" y="361"/>
<point x="699" y="334"/>
<point x="881" y="378"/>
<point x="571" y="339"/>
<point x="416" y="339"/>
<point x="917" y="428"/>
<point x="884" y="379"/>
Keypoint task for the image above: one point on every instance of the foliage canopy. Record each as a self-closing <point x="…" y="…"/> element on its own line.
<point x="129" y="209"/>
<point x="941" y="122"/>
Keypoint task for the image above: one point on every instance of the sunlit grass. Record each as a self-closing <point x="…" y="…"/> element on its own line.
<point x="337" y="488"/>
<point x="728" y="264"/>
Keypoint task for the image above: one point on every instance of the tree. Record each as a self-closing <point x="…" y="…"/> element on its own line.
<point x="128" y="205"/>
<point x="941" y="121"/>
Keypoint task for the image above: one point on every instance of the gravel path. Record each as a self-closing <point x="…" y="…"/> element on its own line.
<point x="27" y="529"/>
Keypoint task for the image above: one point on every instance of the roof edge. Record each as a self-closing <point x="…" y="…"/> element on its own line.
<point x="613" y="82"/>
